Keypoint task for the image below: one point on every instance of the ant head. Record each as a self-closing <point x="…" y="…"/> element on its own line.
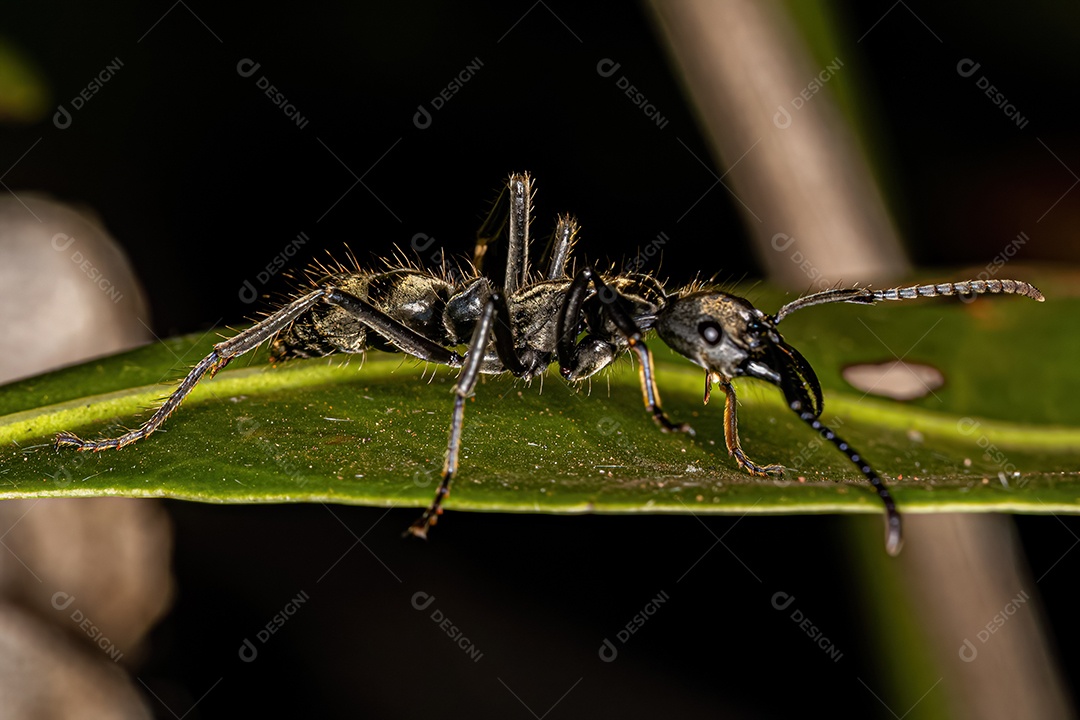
<point x="727" y="335"/>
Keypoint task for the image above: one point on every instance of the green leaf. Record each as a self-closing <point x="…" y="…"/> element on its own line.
<point x="1001" y="434"/>
<point x="24" y="93"/>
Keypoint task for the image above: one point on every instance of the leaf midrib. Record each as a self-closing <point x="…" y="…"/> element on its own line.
<point x="265" y="380"/>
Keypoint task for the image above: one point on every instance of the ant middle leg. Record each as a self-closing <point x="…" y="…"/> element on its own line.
<point x="568" y="349"/>
<point x="494" y="321"/>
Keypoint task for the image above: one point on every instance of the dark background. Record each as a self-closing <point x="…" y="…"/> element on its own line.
<point x="204" y="181"/>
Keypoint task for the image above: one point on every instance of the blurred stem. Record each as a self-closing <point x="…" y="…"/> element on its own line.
<point x="794" y="164"/>
<point x="971" y="586"/>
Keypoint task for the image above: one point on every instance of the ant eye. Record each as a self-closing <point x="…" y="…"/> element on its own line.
<point x="710" y="332"/>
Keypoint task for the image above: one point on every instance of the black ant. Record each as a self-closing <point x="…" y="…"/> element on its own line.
<point x="583" y="320"/>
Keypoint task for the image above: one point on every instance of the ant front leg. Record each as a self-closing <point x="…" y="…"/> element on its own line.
<point x="569" y="320"/>
<point x="731" y="429"/>
<point x="494" y="318"/>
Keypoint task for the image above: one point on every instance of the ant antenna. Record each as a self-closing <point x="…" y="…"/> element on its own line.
<point x="866" y="296"/>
